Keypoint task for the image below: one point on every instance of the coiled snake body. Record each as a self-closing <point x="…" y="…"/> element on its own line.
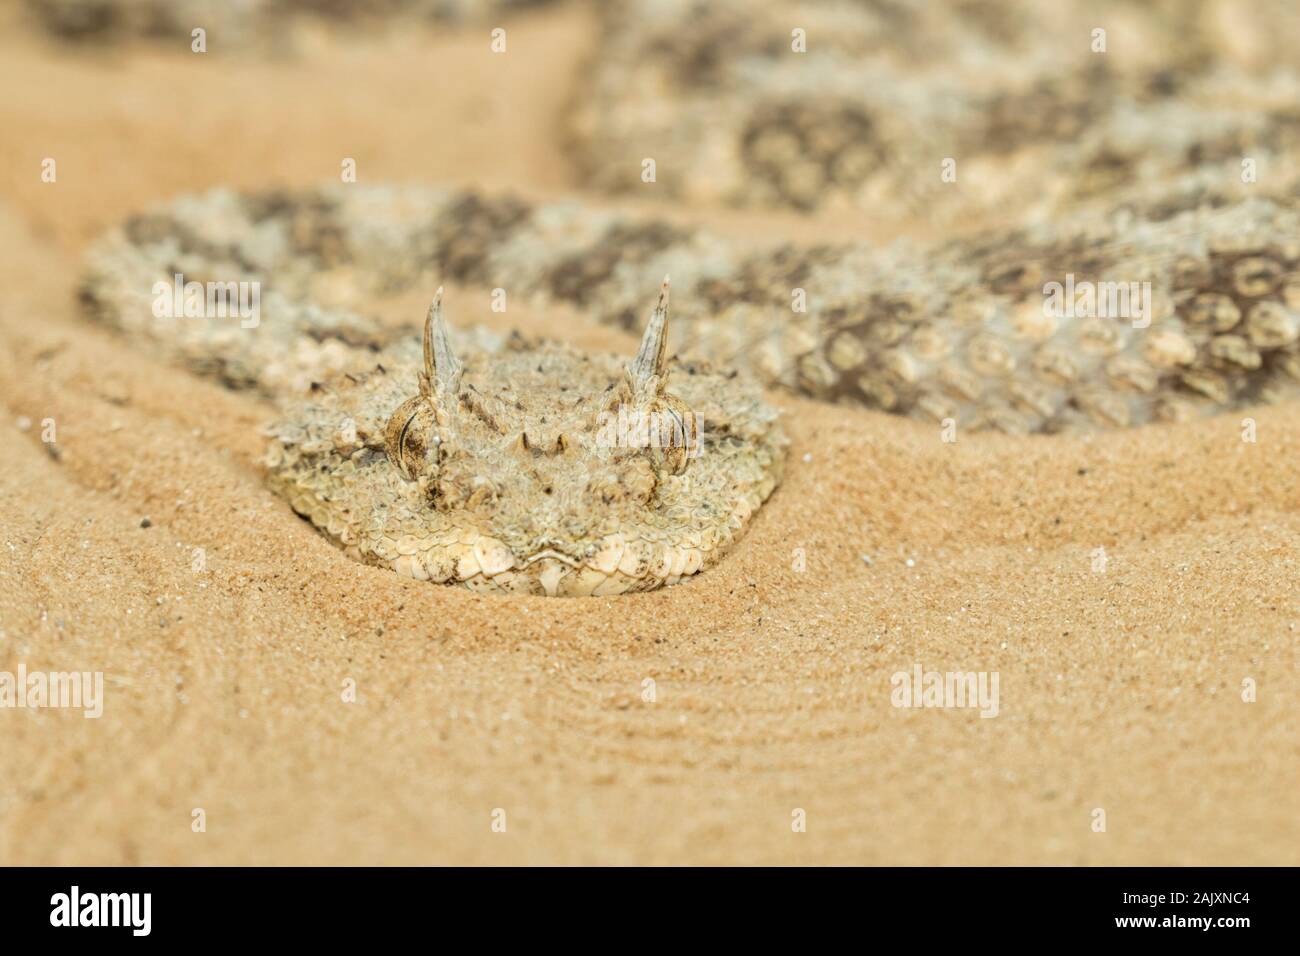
<point x="1139" y="286"/>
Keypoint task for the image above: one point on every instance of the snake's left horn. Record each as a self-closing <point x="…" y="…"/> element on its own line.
<point x="441" y="367"/>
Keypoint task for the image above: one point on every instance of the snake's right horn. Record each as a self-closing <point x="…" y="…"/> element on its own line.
<point x="652" y="357"/>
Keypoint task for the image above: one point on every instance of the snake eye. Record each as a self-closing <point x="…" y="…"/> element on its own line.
<point x="678" y="434"/>
<point x="411" y="439"/>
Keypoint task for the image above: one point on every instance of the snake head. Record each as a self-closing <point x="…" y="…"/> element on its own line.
<point x="528" y="466"/>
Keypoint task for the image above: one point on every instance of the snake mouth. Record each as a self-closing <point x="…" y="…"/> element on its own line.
<point x="548" y="553"/>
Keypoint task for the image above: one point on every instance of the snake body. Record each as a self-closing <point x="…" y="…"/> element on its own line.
<point x="960" y="331"/>
<point x="1143" y="277"/>
<point x="1038" y="108"/>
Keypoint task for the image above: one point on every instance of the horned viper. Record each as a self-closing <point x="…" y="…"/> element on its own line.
<point x="495" y="468"/>
<point x="502" y="466"/>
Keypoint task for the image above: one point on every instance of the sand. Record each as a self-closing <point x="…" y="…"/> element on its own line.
<point x="1120" y="689"/>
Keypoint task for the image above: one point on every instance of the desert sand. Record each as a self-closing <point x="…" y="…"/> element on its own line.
<point x="1120" y="689"/>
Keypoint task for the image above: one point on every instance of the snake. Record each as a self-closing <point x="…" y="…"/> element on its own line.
<point x="1143" y="281"/>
